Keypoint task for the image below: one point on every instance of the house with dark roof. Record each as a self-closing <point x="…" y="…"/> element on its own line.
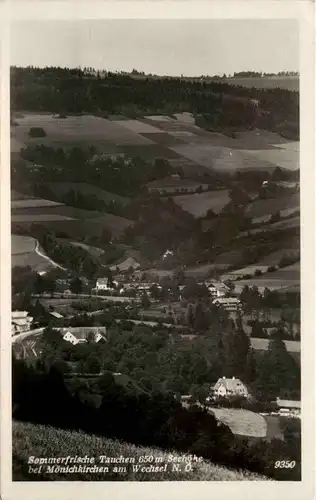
<point x="217" y="289"/>
<point x="228" y="303"/>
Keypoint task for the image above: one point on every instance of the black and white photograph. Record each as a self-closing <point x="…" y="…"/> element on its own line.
<point x="156" y="250"/>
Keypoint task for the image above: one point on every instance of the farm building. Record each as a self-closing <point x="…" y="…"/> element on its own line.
<point x="217" y="289"/>
<point x="103" y="284"/>
<point x="70" y="338"/>
<point x="56" y="315"/>
<point x="20" y="322"/>
<point x="226" y="387"/>
<point x="144" y="287"/>
<point x="127" y="264"/>
<point x="289" y="408"/>
<point x="229" y="303"/>
<point x="77" y="335"/>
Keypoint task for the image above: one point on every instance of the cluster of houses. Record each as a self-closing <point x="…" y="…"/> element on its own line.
<point x="114" y="286"/>
<point x="217" y="290"/>
<point x="79" y="335"/>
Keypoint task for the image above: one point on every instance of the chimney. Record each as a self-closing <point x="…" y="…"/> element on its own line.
<point x="233" y="378"/>
<point x="224" y="377"/>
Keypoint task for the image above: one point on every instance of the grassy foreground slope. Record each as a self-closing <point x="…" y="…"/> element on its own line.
<point x="43" y="441"/>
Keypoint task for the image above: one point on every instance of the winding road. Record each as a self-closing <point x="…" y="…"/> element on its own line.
<point x="44" y="256"/>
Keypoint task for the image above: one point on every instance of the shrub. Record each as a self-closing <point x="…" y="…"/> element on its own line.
<point x="275" y="217"/>
<point x="37" y="132"/>
<point x="271" y="269"/>
<point x="258" y="272"/>
<point x="287" y="260"/>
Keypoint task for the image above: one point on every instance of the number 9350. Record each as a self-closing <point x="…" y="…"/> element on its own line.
<point x="284" y="464"/>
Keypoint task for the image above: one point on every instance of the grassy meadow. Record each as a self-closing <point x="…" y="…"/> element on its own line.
<point x="43" y="441"/>
<point x="242" y="422"/>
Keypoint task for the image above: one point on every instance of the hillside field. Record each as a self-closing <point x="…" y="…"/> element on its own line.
<point x="91" y="222"/>
<point x="241" y="422"/>
<point x="39" y="440"/>
<point x="33" y="203"/>
<point x="175" y="138"/>
<point x="23" y="254"/>
<point x="264" y="207"/>
<point x="198" y="204"/>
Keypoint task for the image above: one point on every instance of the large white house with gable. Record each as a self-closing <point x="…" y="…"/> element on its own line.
<point x="226" y="387"/>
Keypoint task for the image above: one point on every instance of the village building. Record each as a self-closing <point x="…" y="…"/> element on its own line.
<point x="168" y="253"/>
<point x="69" y="337"/>
<point x="217" y="289"/>
<point x="20" y="322"/>
<point x="103" y="284"/>
<point x="229" y="303"/>
<point x="145" y="286"/>
<point x="288" y="408"/>
<point x="77" y="335"/>
<point x="128" y="264"/>
<point x="226" y="387"/>
<point x="56" y="315"/>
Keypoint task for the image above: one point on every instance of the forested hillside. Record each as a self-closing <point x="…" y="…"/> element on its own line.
<point x="215" y="105"/>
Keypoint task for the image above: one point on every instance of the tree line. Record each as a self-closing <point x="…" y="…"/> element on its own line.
<point x="164" y="359"/>
<point x="116" y="173"/>
<point x="71" y="91"/>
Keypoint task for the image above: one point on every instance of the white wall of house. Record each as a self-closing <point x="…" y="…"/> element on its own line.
<point x="103" y="285"/>
<point x="69" y="337"/>
<point x="20" y="322"/>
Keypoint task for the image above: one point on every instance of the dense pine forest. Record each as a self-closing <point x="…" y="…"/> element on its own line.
<point x="215" y="105"/>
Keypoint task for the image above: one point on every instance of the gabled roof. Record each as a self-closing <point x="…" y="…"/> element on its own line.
<point x="82" y="332"/>
<point x="230" y="384"/>
<point x="284" y="403"/>
<point x="102" y="281"/>
<point x="21" y="321"/>
<point x="56" y="314"/>
<point x="19" y="314"/>
<point x="226" y="300"/>
<point x="69" y="333"/>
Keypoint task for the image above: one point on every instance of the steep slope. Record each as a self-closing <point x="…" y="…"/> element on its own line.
<point x="41" y="441"/>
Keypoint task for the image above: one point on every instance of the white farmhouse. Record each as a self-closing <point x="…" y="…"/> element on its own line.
<point x="69" y="337"/>
<point x="78" y="335"/>
<point x="168" y="253"/>
<point x="217" y="289"/>
<point x="226" y="387"/>
<point x="229" y="303"/>
<point x="103" y="284"/>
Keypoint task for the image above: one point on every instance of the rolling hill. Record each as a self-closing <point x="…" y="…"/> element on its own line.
<point x="36" y="440"/>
